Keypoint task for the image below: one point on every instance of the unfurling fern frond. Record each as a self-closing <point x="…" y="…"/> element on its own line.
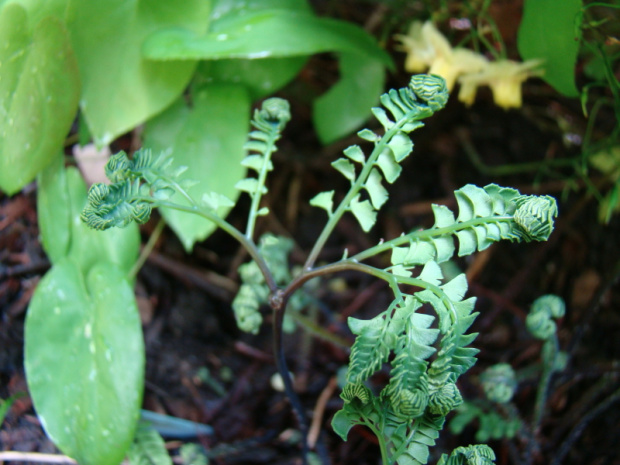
<point x="253" y="291"/>
<point x="136" y="184"/>
<point x="268" y="122"/>
<point x="486" y="215"/>
<point x="480" y="454"/>
<point x="499" y="382"/>
<point x="407" y="106"/>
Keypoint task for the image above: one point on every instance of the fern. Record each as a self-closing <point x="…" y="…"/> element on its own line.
<point x="425" y="354"/>
<point x="470" y="455"/>
<point x="405" y="108"/>
<point x="148" y="448"/>
<point x="269" y="122"/>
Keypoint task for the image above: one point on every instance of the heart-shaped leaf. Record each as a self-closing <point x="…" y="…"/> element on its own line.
<point x="84" y="360"/>
<point x="39" y="93"/>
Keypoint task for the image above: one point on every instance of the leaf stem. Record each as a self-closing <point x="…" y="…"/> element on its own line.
<point x="262" y="178"/>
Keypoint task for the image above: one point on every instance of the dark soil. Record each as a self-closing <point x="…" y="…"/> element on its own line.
<point x="188" y="323"/>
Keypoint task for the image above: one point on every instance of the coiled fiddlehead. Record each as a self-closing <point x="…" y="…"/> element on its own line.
<point x="136" y="184"/>
<point x="499" y="382"/>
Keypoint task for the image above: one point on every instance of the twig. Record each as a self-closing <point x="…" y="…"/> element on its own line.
<point x="319" y="410"/>
<point x="34" y="457"/>
<point x="578" y="429"/>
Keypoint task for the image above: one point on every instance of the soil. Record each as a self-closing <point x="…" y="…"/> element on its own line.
<point x="189" y="326"/>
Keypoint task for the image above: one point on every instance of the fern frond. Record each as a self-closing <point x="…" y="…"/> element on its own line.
<point x="116" y="205"/>
<point x="370" y="349"/>
<point x="408" y="386"/>
<point x="480" y="454"/>
<point x="407" y="106"/>
<point x="486" y="215"/>
<point x="136" y="184"/>
<point x="269" y="122"/>
<point x="411" y="442"/>
<point x="499" y="382"/>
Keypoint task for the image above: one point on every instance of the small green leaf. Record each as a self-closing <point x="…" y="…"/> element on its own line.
<point x="249" y="185"/>
<point x="345" y="167"/>
<point x="39" y="93"/>
<point x="401" y="146"/>
<point x="431" y="273"/>
<point x="378" y="194"/>
<point x="324" y="200"/>
<point x="255" y="162"/>
<point x="382" y="117"/>
<point x="148" y="448"/>
<point x="215" y="201"/>
<point x="443" y="216"/>
<point x="355" y="153"/>
<point x="84" y="360"/>
<point x="343" y="421"/>
<point x="548" y="31"/>
<point x="467" y="242"/>
<point x="364" y="213"/>
<point x="368" y="135"/>
<point x="391" y="169"/>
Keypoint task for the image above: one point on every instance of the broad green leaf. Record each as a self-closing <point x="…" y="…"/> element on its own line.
<point x="121" y="89"/>
<point x="87" y="246"/>
<point x="54" y="210"/>
<point x="345" y="107"/>
<point x="262" y="77"/>
<point x="39" y="92"/>
<point x="549" y="31"/>
<point x="208" y="138"/>
<point x="263" y="34"/>
<point x="84" y="360"/>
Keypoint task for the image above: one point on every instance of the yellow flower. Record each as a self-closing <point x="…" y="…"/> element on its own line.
<point x="426" y="47"/>
<point x="504" y="77"/>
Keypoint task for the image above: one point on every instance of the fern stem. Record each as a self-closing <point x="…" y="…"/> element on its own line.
<point x="262" y="177"/>
<point x="543" y="387"/>
<point x="428" y="234"/>
<point x="247" y="243"/>
<point x="360" y="181"/>
<point x="147" y="249"/>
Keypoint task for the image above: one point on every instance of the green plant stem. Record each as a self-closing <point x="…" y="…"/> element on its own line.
<point x="256" y="196"/>
<point x="426" y="234"/>
<point x="359" y="183"/>
<point x="247" y="243"/>
<point x="543" y="387"/>
<point x="147" y="249"/>
<point x="392" y="279"/>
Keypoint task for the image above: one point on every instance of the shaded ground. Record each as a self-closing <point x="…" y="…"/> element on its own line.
<point x="189" y="326"/>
